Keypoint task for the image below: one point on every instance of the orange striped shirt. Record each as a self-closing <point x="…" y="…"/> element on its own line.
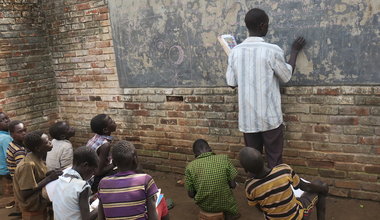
<point x="274" y="194"/>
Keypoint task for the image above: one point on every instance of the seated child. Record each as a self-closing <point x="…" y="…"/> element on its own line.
<point x="102" y="125"/>
<point x="62" y="153"/>
<point x="270" y="189"/>
<point x="16" y="150"/>
<point x="71" y="191"/>
<point x="209" y="180"/>
<point x="127" y="194"/>
<point x="31" y="176"/>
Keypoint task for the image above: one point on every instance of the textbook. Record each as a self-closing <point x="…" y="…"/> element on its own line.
<point x="228" y="42"/>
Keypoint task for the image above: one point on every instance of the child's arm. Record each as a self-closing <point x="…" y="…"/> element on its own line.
<point x="151" y="206"/>
<point x="297" y="45"/>
<point x="84" y="206"/>
<point x="103" y="153"/>
<point x="232" y="184"/>
<point x="191" y="194"/>
<point x="29" y="192"/>
<point x="101" y="215"/>
<point x="314" y="187"/>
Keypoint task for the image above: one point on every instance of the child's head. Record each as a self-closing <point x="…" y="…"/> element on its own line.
<point x="85" y="162"/>
<point x="37" y="142"/>
<point x="124" y="155"/>
<point x="17" y="130"/>
<point x="103" y="124"/>
<point x="61" y="131"/>
<point x="257" y="21"/>
<point x="251" y="160"/>
<point x="200" y="146"/>
<point x="4" y="122"/>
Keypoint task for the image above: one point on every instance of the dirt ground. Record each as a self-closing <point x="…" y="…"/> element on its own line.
<point x="185" y="208"/>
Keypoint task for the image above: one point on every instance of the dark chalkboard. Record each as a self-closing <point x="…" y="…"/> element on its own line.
<point x="173" y="43"/>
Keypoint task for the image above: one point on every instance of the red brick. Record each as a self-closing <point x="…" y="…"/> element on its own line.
<point x="347" y="184"/>
<point x="320" y="164"/>
<point x="141" y="113"/>
<point x="176" y="114"/>
<point x="372" y="169"/>
<point x="344" y="120"/>
<point x="83" y="6"/>
<point x="132" y="106"/>
<point x="100" y="17"/>
<point x="369" y="140"/>
<point x="327" y="91"/>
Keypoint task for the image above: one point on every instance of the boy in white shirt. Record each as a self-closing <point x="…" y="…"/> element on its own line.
<point x="71" y="192"/>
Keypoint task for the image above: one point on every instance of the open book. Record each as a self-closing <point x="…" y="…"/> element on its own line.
<point x="228" y="42"/>
<point x="298" y="192"/>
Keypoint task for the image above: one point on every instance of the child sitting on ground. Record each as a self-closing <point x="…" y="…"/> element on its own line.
<point x="16" y="151"/>
<point x="71" y="193"/>
<point x="209" y="180"/>
<point x="128" y="194"/>
<point x="31" y="176"/>
<point x="270" y="189"/>
<point x="62" y="153"/>
<point x="102" y="125"/>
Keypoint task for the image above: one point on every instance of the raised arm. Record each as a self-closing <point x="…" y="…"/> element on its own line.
<point x="297" y="45"/>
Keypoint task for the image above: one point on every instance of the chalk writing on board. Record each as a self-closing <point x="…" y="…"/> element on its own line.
<point x="170" y="43"/>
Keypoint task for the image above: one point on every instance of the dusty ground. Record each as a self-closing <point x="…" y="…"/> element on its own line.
<point x="185" y="209"/>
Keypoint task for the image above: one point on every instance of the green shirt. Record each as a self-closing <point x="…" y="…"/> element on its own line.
<point x="209" y="176"/>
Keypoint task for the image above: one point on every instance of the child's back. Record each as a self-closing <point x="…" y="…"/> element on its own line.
<point x="209" y="178"/>
<point x="124" y="194"/>
<point x="65" y="198"/>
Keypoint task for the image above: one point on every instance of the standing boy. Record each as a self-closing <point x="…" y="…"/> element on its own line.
<point x="209" y="180"/>
<point x="5" y="139"/>
<point x="71" y="193"/>
<point x="257" y="68"/>
<point x="271" y="192"/>
<point x="127" y="194"/>
<point x="62" y="153"/>
<point x="31" y="176"/>
<point x="102" y="125"/>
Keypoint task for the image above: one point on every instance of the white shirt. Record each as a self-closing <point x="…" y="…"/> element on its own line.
<point x="65" y="199"/>
<point x="257" y="68"/>
<point x="60" y="156"/>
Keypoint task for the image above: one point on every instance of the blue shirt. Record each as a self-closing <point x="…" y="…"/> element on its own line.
<point x="5" y="139"/>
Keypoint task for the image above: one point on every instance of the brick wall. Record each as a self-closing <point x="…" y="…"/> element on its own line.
<point x="27" y="84"/>
<point x="331" y="132"/>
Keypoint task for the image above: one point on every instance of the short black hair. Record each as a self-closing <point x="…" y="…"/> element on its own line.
<point x="57" y="129"/>
<point x="123" y="153"/>
<point x="251" y="160"/>
<point x="200" y="146"/>
<point x="254" y="18"/>
<point x="33" y="140"/>
<point x="98" y="123"/>
<point x="85" y="154"/>
<point x="12" y="125"/>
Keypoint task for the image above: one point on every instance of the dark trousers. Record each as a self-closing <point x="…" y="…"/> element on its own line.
<point x="273" y="140"/>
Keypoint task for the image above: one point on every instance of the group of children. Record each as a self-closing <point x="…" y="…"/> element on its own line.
<point x="96" y="172"/>
<point x="210" y="179"/>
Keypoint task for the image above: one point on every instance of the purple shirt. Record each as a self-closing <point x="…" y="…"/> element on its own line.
<point x="125" y="195"/>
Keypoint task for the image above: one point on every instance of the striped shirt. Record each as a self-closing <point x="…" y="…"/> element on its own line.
<point x="15" y="153"/>
<point x="274" y="193"/>
<point x="257" y="68"/>
<point x="124" y="195"/>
